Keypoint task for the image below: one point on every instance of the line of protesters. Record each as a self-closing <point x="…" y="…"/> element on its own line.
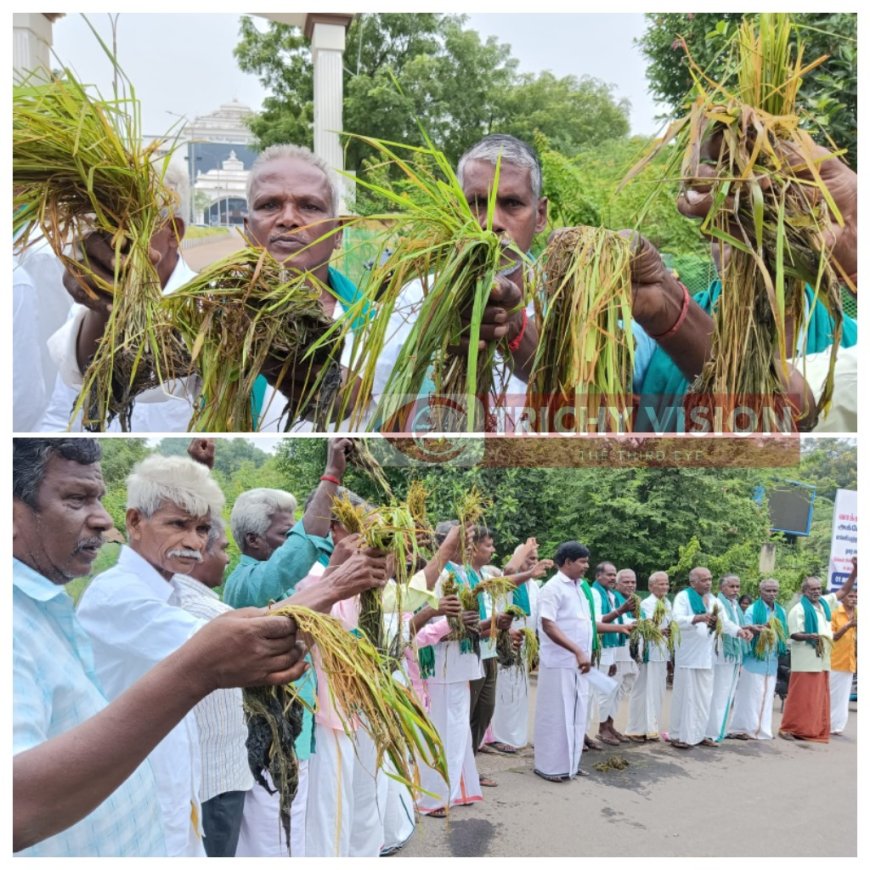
<point x="129" y="731"/>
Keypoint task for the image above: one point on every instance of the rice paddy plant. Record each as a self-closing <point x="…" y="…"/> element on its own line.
<point x="362" y="458"/>
<point x="508" y="657"/>
<point x="769" y="638"/>
<point x="79" y="166"/>
<point x="416" y="502"/>
<point x="243" y="313"/>
<point x="470" y="511"/>
<point x="436" y="239"/>
<point x="744" y="138"/>
<point x="585" y="354"/>
<point x="530" y="649"/>
<point x="362" y="690"/>
<point x="822" y="642"/>
<point x="644" y="633"/>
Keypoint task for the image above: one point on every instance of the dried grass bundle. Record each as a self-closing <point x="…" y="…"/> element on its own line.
<point x="769" y="638"/>
<point x="238" y="314"/>
<point x="585" y="354"/>
<point x="770" y="208"/>
<point x="436" y="239"/>
<point x="79" y="166"/>
<point x="362" y="690"/>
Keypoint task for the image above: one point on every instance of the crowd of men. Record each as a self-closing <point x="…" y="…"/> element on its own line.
<point x="293" y="201"/>
<point x="129" y="731"/>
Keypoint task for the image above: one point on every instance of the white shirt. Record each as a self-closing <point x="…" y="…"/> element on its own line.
<point x="166" y="408"/>
<point x="657" y="652"/>
<point x="451" y="664"/>
<point x="220" y="718"/>
<point x="134" y="620"/>
<point x="40" y="306"/>
<point x="696" y="645"/>
<point x="564" y="603"/>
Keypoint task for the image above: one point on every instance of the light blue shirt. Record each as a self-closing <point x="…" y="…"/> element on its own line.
<point x="766" y="666"/>
<point x="55" y="688"/>
<point x="254" y="583"/>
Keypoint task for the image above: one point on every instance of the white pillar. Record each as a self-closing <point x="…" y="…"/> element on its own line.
<point x="31" y="42"/>
<point x="327" y="54"/>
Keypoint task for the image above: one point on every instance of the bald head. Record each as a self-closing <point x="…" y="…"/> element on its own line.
<point x="701" y="580"/>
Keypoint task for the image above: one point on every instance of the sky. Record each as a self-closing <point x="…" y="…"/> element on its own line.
<point x="182" y="65"/>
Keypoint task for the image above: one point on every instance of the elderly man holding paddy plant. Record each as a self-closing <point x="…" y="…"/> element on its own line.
<point x="752" y="714"/>
<point x="807" y="712"/>
<point x="293" y="200"/>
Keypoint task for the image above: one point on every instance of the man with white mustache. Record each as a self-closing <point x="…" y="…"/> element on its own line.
<point x="133" y="615"/>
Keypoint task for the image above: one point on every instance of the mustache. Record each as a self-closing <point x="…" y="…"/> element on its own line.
<point x="184" y="553"/>
<point x="93" y="543"/>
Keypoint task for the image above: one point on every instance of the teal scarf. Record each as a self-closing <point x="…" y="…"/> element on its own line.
<point x="732" y="647"/>
<point x="349" y="297"/>
<point x="696" y="602"/>
<point x="609" y="639"/>
<point x="521" y="599"/>
<point x="760" y="616"/>
<point x="664" y="385"/>
<point x="596" y="643"/>
<point x="811" y="619"/>
<point x="426" y="660"/>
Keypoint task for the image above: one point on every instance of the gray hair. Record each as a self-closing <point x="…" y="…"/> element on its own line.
<point x="767" y="581"/>
<point x="297" y="152"/>
<point x="656" y="575"/>
<point x="254" y="509"/>
<point x="511" y="150"/>
<point x="807" y="580"/>
<point x="177" y="181"/>
<point x="178" y="480"/>
<point x="623" y="571"/>
<point x="216" y="530"/>
<point x="30" y="456"/>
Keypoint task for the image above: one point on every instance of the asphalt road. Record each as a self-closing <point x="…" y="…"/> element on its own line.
<point x="759" y="798"/>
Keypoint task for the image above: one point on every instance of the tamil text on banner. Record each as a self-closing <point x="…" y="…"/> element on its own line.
<point x="844" y="537"/>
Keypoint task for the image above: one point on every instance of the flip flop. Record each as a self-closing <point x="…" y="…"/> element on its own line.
<point x="610" y="741"/>
<point x="786" y="735"/>
<point x="486" y="782"/>
<point x="680" y="745"/>
<point x="550" y="777"/>
<point x="486" y="749"/>
<point x="440" y="813"/>
<point x="736" y="736"/>
<point x="592" y="744"/>
<point x="504" y="748"/>
<point x="636" y="738"/>
<point x="708" y="742"/>
<point x="581" y="772"/>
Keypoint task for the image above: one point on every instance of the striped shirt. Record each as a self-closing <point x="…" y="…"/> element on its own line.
<point x="55" y="688"/>
<point x="220" y="719"/>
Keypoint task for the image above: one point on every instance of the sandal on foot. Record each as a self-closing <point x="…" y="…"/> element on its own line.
<point x="707" y="741"/>
<point x="504" y="748"/>
<point x="551" y="777"/>
<point x="440" y="813"/>
<point x="680" y="745"/>
<point x="486" y="782"/>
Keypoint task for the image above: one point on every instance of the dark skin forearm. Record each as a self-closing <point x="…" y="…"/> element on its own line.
<point x="59" y="782"/>
<point x="421" y="617"/>
<point x="88" y="340"/>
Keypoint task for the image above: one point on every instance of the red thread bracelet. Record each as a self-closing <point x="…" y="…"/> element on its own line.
<point x="683" y="312"/>
<point x="514" y="346"/>
<point x="330" y="479"/>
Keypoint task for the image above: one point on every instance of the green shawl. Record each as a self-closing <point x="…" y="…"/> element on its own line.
<point x="609" y="639"/>
<point x="811" y="619"/>
<point x="760" y="616"/>
<point x="732" y="646"/>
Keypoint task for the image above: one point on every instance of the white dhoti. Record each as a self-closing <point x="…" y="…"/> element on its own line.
<point x="343" y="808"/>
<point x="560" y="720"/>
<point x="626" y="675"/>
<point x="753" y="705"/>
<point x="510" y="721"/>
<point x="724" y="686"/>
<point x="261" y="834"/>
<point x="690" y="705"/>
<point x="645" y="702"/>
<point x="450" y="708"/>
<point x="840" y="683"/>
<point x="399" y="818"/>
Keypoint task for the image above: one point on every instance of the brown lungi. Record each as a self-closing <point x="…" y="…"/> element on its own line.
<point x="807" y="712"/>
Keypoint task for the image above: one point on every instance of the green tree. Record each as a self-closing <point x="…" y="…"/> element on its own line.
<point x="829" y="94"/>
<point x="401" y="69"/>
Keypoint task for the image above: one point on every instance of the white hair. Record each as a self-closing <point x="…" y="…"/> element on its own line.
<point x="178" y="480"/>
<point x="511" y="150"/>
<point x="254" y="509"/>
<point x="218" y="528"/>
<point x="624" y="572"/>
<point x="297" y="152"/>
<point x="177" y="181"/>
